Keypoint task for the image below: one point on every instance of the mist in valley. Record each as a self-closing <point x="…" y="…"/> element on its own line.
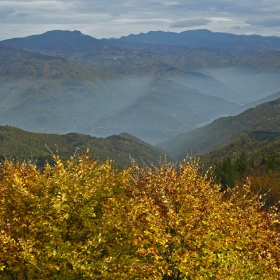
<point x="153" y="108"/>
<point x="244" y="85"/>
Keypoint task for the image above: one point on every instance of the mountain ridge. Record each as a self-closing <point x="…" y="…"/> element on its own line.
<point x="23" y="145"/>
<point x="265" y="117"/>
<point x="202" y="38"/>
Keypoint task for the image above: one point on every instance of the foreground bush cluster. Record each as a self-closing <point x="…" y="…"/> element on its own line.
<point x="83" y="220"/>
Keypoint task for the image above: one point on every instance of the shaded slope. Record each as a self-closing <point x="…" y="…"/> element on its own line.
<point x="256" y="144"/>
<point x="23" y="145"/>
<point x="265" y="117"/>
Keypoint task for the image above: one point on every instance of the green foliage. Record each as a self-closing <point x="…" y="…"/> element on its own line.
<point x="272" y="161"/>
<point x="260" y="164"/>
<point x="229" y="171"/>
<point x="226" y="173"/>
<point x="241" y="164"/>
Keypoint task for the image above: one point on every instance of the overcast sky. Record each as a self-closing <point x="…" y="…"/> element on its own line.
<point x="115" y="18"/>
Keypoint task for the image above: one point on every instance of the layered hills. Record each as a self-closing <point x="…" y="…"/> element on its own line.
<point x="262" y="120"/>
<point x="63" y="81"/>
<point x="46" y="93"/>
<point x="165" y="109"/>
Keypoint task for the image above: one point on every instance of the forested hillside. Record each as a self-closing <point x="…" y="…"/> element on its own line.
<point x="264" y="118"/>
<point x="40" y="147"/>
<point x="253" y="158"/>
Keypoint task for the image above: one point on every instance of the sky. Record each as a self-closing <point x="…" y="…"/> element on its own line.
<point x="116" y="18"/>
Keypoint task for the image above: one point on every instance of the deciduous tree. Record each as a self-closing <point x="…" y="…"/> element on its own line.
<point x="84" y="220"/>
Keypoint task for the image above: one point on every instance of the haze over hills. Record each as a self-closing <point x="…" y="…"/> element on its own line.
<point x="63" y="81"/>
<point x="164" y="109"/>
<point x="53" y="94"/>
<point x="264" y="118"/>
<point x="260" y="101"/>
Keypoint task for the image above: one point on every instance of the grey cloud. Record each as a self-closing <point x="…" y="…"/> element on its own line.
<point x="123" y="7"/>
<point x="189" y="23"/>
<point x="237" y="27"/>
<point x="148" y="9"/>
<point x="230" y="6"/>
<point x="104" y="18"/>
<point x="149" y="22"/>
<point x="269" y="22"/>
<point x="22" y="15"/>
<point x="5" y="12"/>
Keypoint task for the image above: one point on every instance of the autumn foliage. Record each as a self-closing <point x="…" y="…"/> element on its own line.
<point x="84" y="220"/>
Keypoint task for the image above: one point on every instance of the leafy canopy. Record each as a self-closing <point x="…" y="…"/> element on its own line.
<point x="83" y="220"/>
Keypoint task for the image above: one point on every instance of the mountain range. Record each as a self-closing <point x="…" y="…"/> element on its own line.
<point x="206" y="39"/>
<point x="155" y="86"/>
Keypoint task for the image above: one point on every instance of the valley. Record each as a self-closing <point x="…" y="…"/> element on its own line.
<point x="168" y="95"/>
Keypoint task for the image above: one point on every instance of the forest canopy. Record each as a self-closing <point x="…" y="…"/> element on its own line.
<point x="84" y="220"/>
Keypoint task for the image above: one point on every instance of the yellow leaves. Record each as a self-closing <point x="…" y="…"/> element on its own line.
<point x="2" y="267"/>
<point x="211" y="223"/>
<point x="87" y="221"/>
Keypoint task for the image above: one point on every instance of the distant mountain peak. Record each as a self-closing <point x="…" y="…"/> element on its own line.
<point x="62" y="34"/>
<point x="55" y="32"/>
<point x="56" y="41"/>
